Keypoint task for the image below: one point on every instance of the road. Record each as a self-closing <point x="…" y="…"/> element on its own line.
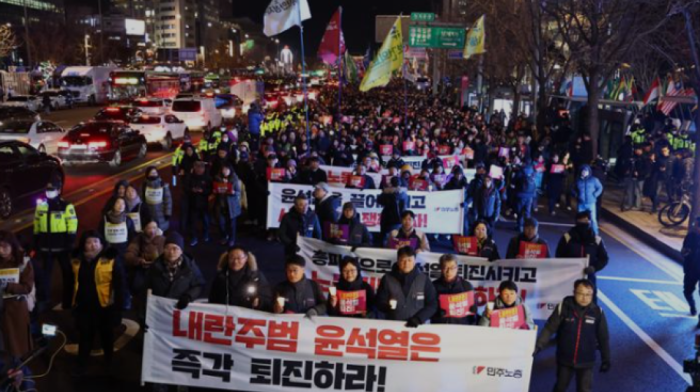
<point x="640" y="291"/>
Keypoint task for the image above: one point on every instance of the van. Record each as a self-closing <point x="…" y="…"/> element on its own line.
<point x="197" y="113"/>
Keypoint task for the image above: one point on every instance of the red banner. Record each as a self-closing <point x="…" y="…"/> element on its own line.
<point x="556" y="169"/>
<point x="417" y="184"/>
<point x="386" y="149"/>
<point x="398" y="243"/>
<point x="530" y="250"/>
<point x="225" y="188"/>
<point x="465" y="245"/>
<point x="332" y="44"/>
<point x="450" y="162"/>
<point x="275" y="174"/>
<point x="352" y="302"/>
<point x="468" y="153"/>
<point x="409" y="146"/>
<point x="356" y="182"/>
<point x="457" y="305"/>
<point x="513" y="318"/>
<point x="444" y="150"/>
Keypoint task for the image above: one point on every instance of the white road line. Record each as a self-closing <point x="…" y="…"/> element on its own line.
<point x="666" y="357"/>
<point x="621" y="279"/>
<point x="676" y="315"/>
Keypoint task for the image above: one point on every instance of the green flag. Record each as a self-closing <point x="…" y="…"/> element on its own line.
<point x="388" y="59"/>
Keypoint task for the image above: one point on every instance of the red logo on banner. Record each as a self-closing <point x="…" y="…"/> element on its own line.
<point x="465" y="245"/>
<point x="530" y="250"/>
<point x="457" y="305"/>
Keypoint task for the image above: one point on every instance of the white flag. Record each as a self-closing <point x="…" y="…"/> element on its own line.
<point x="283" y="14"/>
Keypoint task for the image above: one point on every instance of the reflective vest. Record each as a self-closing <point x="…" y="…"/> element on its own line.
<point x="56" y="222"/>
<point x="214" y="141"/>
<point x="103" y="280"/>
<point x="639" y="136"/>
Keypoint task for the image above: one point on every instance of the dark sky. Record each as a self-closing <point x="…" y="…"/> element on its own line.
<point x="357" y="24"/>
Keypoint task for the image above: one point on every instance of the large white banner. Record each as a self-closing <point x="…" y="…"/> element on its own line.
<point x="212" y="346"/>
<point x="436" y="212"/>
<point x="338" y="175"/>
<point x="542" y="283"/>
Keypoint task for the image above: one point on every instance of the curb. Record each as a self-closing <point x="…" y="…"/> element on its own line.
<point x="648" y="238"/>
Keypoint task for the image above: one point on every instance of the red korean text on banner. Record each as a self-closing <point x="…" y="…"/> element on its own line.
<point x="275" y="174"/>
<point x="557" y="169"/>
<point x="531" y="250"/>
<point x="513" y="318"/>
<point x="409" y="146"/>
<point x="398" y="243"/>
<point x="223" y="188"/>
<point x="335" y="231"/>
<point x="468" y="153"/>
<point x="444" y="150"/>
<point x="386" y="149"/>
<point x="352" y="302"/>
<point x="457" y="305"/>
<point x="356" y="181"/>
<point x="417" y="184"/>
<point x="496" y="172"/>
<point x="465" y="245"/>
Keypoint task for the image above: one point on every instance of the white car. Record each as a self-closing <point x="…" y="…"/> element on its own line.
<point x="153" y="106"/>
<point x="42" y="135"/>
<point x="197" y="113"/>
<point x="59" y="98"/>
<point x="31" y="102"/>
<point x="160" y="128"/>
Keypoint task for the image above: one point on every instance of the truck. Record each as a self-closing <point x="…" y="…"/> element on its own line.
<point x="248" y="90"/>
<point x="87" y="84"/>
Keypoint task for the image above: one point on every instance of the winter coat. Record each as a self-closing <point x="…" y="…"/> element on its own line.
<point x="487" y="203"/>
<point x="199" y="189"/>
<point x="394" y="204"/>
<point x="514" y="245"/>
<point x="359" y="234"/>
<point x="485" y="321"/>
<point x="327" y="210"/>
<point x="142" y="249"/>
<point x="188" y="279"/>
<point x="232" y="286"/>
<point x="414" y="292"/>
<point x="159" y="212"/>
<point x="14" y="323"/>
<point x="356" y="285"/>
<point x="580" y="241"/>
<point x="301" y="296"/>
<point x="457" y="286"/>
<point x="691" y="254"/>
<point x="488" y="249"/>
<point x="255" y="118"/>
<point x="525" y="185"/>
<point x="294" y="223"/>
<point x="225" y="204"/>
<point x="587" y="190"/>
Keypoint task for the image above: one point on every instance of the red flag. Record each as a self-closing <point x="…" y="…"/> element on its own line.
<point x="653" y="93"/>
<point x="330" y="49"/>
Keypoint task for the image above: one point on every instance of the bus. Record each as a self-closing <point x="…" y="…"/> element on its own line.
<point x="125" y="86"/>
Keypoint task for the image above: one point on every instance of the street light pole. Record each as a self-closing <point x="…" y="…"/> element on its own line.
<point x="26" y="34"/>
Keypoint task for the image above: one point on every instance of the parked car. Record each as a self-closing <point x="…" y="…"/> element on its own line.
<point x="197" y="113"/>
<point x="120" y="114"/>
<point x="42" y="135"/>
<point x="60" y="99"/>
<point x="24" y="173"/>
<point x="152" y="105"/>
<point x="101" y="142"/>
<point x="31" y="102"/>
<point x="160" y="128"/>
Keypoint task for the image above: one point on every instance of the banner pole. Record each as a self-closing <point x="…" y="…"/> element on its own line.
<point x="339" y="61"/>
<point x="303" y="75"/>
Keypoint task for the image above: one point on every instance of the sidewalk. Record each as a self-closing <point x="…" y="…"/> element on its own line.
<point x="643" y="224"/>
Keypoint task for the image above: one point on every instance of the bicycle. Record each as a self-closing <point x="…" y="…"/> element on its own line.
<point x="676" y="212"/>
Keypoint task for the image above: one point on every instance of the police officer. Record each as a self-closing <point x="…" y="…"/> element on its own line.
<point x="581" y="329"/>
<point x="691" y="265"/>
<point x="55" y="227"/>
<point x="405" y="293"/>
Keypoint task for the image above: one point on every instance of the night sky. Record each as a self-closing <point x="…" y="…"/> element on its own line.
<point x="357" y="24"/>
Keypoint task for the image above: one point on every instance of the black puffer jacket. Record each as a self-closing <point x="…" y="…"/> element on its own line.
<point x="187" y="281"/>
<point x="234" y="285"/>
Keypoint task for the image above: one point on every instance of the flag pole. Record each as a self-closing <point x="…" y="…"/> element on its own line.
<point x="303" y="75"/>
<point x="405" y="98"/>
<point x="339" y="61"/>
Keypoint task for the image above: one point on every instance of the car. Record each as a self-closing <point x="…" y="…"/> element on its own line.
<point x="24" y="173"/>
<point x="101" y="142"/>
<point x="185" y="95"/>
<point x="60" y="99"/>
<point x="197" y="113"/>
<point x="152" y="105"/>
<point x="42" y="135"/>
<point x="31" y="102"/>
<point x="229" y="105"/>
<point x="18" y="113"/>
<point x="160" y="128"/>
<point x="120" y="114"/>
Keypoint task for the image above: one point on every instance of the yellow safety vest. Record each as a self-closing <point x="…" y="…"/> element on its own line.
<point x="56" y="222"/>
<point x="103" y="280"/>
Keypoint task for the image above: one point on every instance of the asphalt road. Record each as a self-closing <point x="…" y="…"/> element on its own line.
<point x="640" y="291"/>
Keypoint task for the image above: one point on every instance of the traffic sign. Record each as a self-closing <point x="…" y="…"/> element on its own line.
<point x="422" y="16"/>
<point x="436" y="37"/>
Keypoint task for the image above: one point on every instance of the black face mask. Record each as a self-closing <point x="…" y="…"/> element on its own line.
<point x="583" y="226"/>
<point x="153" y="178"/>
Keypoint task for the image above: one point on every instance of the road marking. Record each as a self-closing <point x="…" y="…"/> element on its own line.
<point x="674" y="315"/>
<point x="663" y="263"/>
<point x="665" y="356"/>
<point x="654" y="281"/>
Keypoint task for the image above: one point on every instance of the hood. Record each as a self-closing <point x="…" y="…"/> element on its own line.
<point x="585" y="167"/>
<point x="251" y="265"/>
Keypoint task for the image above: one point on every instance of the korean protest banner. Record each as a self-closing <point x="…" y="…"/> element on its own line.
<point x="339" y="176"/>
<point x="513" y="318"/>
<point x="542" y="283"/>
<point x="436" y="212"/>
<point x="214" y="346"/>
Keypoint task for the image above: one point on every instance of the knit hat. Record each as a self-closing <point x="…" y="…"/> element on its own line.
<point x="175" y="238"/>
<point x="322" y="185"/>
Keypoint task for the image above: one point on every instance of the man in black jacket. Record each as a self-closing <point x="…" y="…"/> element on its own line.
<point x="405" y="293"/>
<point x="581" y="329"/>
<point x="327" y="205"/>
<point x="314" y="174"/>
<point x="529" y="235"/>
<point x="691" y="265"/>
<point x="298" y="294"/>
<point x="199" y="189"/>
<point x="449" y="287"/>
<point x="299" y="220"/>
<point x="239" y="282"/>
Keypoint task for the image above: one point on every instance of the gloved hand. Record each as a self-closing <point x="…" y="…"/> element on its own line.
<point x="311" y="313"/>
<point x="413" y="322"/>
<point x="605" y="367"/>
<point x="589" y="270"/>
<point x="183" y="302"/>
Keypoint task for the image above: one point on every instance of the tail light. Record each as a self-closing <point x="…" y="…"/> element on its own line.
<point x="63" y="145"/>
<point x="97" y="145"/>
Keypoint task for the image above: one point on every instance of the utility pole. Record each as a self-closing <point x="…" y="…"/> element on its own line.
<point x="26" y="35"/>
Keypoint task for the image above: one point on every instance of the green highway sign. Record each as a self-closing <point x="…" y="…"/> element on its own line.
<point x="436" y="37"/>
<point x="422" y="16"/>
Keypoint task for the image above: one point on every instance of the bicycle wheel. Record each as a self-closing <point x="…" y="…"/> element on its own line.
<point x="678" y="213"/>
<point x="663" y="215"/>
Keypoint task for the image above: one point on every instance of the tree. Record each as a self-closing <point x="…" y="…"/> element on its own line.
<point x="8" y="41"/>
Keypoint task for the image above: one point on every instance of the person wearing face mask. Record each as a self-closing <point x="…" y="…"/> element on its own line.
<point x="116" y="226"/>
<point x="529" y="235"/>
<point x="350" y="282"/>
<point x="14" y="313"/>
<point x="159" y="201"/>
<point x="96" y="283"/>
<point x="587" y="190"/>
<point x="297" y="294"/>
<point x="486" y="246"/>
<point x="239" y="282"/>
<point x="143" y="250"/>
<point x="507" y="298"/>
<point x="449" y="284"/>
<point x="581" y="241"/>
<point x="55" y="227"/>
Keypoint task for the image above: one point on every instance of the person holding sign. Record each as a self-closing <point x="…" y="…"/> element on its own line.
<point x="300" y="220"/>
<point x="581" y="329"/>
<point x="142" y="251"/>
<point x="507" y="299"/>
<point x="405" y="293"/>
<point x="327" y="206"/>
<point x="407" y="232"/>
<point x="227" y="203"/>
<point x="360" y="180"/>
<point x="239" y="282"/>
<point x="358" y="234"/>
<point x="298" y="294"/>
<point x="158" y="199"/>
<point x="394" y="201"/>
<point x="16" y="284"/>
<point x="351" y="297"/>
<point x="455" y="295"/>
<point x="485" y="245"/>
<point x="555" y="179"/>
<point x="116" y="226"/>
<point x="528" y="244"/>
